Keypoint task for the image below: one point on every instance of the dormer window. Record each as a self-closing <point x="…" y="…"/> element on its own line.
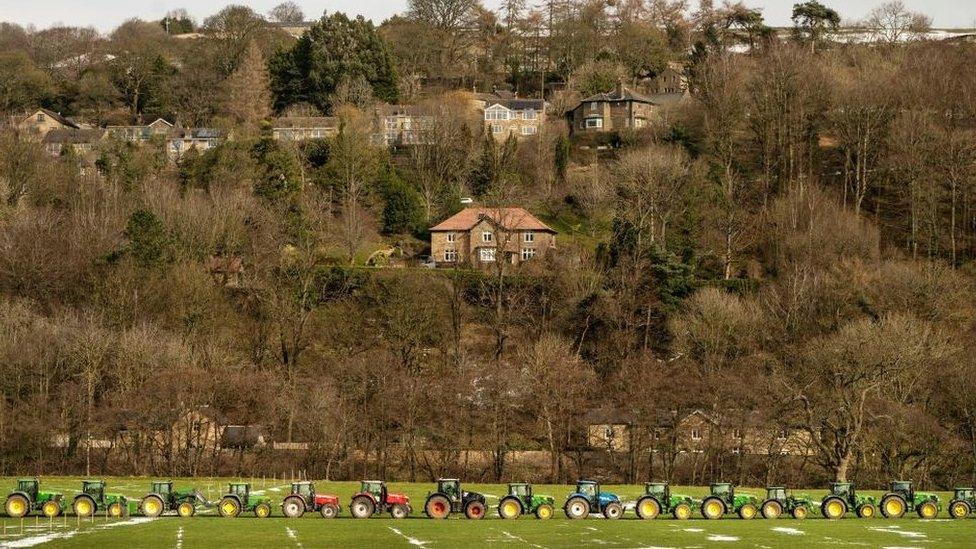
<point x="487" y="237"/>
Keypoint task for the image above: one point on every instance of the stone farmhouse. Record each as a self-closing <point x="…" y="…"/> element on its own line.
<point x="482" y="236"/>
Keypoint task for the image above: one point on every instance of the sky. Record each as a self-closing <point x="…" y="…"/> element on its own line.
<point x="107" y="14"/>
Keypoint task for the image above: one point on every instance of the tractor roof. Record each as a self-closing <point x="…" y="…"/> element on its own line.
<point x="381" y="481"/>
<point x="776" y="487"/>
<point x="27" y="480"/>
<point x="518" y="483"/>
<point x="582" y="481"/>
<point x="963" y="488"/>
<point x="448" y="480"/>
<point x="302" y="482"/>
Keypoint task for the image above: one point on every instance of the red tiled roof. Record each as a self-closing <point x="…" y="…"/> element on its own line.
<point x="509" y="218"/>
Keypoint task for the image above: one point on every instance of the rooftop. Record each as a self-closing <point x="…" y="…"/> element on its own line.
<point x="511" y="218"/>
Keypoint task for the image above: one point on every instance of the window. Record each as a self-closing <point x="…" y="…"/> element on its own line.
<point x="737" y="434"/>
<point x="487" y="237"/>
<point x="594" y="122"/>
<point x="696" y="434"/>
<point x="608" y="432"/>
<point x="528" y="237"/>
<point x="593" y="106"/>
<point x="529" y="130"/>
<point x="782" y="435"/>
<point x="451" y="237"/>
<point x="496" y="113"/>
<point x="530" y="114"/>
<point x="40" y="117"/>
<point x="496" y="128"/>
<point x="486" y="254"/>
<point x="450" y="256"/>
<point x="639" y="122"/>
<point x="736" y="450"/>
<point x="528" y="253"/>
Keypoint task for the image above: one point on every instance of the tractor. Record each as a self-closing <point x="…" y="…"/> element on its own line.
<point x="93" y="497"/>
<point x="779" y="500"/>
<point x="723" y="501"/>
<point x="239" y="499"/>
<point x="303" y="498"/>
<point x="658" y="499"/>
<point x="449" y="498"/>
<point x="963" y="502"/>
<point x="902" y="498"/>
<point x="373" y="497"/>
<point x="28" y="497"/>
<point x="162" y="498"/>
<point x="520" y="500"/>
<point x="589" y="499"/>
<point x="843" y="498"/>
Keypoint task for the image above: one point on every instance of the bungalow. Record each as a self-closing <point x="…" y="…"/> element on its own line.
<point x="181" y="140"/>
<point x="301" y="128"/>
<point x="136" y="133"/>
<point x="480" y="236"/>
<point x="505" y="114"/>
<point x="81" y="142"/>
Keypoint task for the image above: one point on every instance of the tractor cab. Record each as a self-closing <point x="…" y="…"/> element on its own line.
<point x="588" y="488"/>
<point x="29" y="486"/>
<point x="163" y="488"/>
<point x="239" y="489"/>
<point x="304" y="489"/>
<point x="842" y="489"/>
<point x="520" y="490"/>
<point x="903" y="488"/>
<point x="967" y="493"/>
<point x="94" y="488"/>
<point x="777" y="493"/>
<point x="376" y="488"/>
<point x="659" y="490"/>
<point x="723" y="490"/>
<point x="451" y="487"/>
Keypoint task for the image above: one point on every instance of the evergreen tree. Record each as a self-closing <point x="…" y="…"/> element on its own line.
<point x="247" y="97"/>
<point x="403" y="211"/>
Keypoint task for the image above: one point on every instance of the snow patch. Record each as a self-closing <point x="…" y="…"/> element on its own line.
<point x="789" y="531"/>
<point x="897" y="530"/>
<point x="513" y="537"/>
<point x="719" y="537"/>
<point x="410" y="540"/>
<point x="179" y="538"/>
<point x="693" y="530"/>
<point x="292" y="535"/>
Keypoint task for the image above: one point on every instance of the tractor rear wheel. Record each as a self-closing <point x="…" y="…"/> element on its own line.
<point x="229" y="507"/>
<point x="772" y="509"/>
<point x="544" y="512"/>
<point x="713" y="508"/>
<point x="681" y="511"/>
<point x="186" y="509"/>
<point x="866" y="510"/>
<point x="800" y="512"/>
<point x="474" y="510"/>
<point x="17" y="506"/>
<point x="329" y="511"/>
<point x="959" y="509"/>
<point x="362" y="507"/>
<point x="893" y="506"/>
<point x="151" y="506"/>
<point x="51" y="509"/>
<point x="399" y="511"/>
<point x="577" y="508"/>
<point x="833" y="508"/>
<point x="747" y="512"/>
<point x="84" y="506"/>
<point x="613" y="510"/>
<point x="510" y="508"/>
<point x="262" y="510"/>
<point x="647" y="508"/>
<point x="293" y="507"/>
<point x="927" y="510"/>
<point x="438" y="507"/>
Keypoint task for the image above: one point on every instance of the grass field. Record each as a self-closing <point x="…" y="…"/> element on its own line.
<point x="208" y="530"/>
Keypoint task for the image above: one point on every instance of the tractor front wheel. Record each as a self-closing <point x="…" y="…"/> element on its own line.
<point x="959" y="509"/>
<point x="362" y="507"/>
<point x="438" y="507"/>
<point x="186" y="509"/>
<point x="293" y="507"/>
<point x="647" y="508"/>
<point x="399" y="511"/>
<point x="866" y="510"/>
<point x="800" y="512"/>
<point x="613" y="511"/>
<point x="329" y="511"/>
<point x="229" y="507"/>
<point x="772" y="509"/>
<point x="474" y="510"/>
<point x="544" y="512"/>
<point x="681" y="511"/>
<point x="17" y="506"/>
<point x="747" y="512"/>
<point x="262" y="510"/>
<point x="712" y="508"/>
<point x="893" y="506"/>
<point x="51" y="509"/>
<point x="116" y="510"/>
<point x="151" y="506"/>
<point x="833" y="508"/>
<point x="84" y="506"/>
<point x="577" y="508"/>
<point x="510" y="508"/>
<point x="927" y="510"/>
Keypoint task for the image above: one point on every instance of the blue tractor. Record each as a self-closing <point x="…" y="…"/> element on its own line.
<point x="589" y="499"/>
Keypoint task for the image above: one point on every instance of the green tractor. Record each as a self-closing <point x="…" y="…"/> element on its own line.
<point x="779" y="500"/>
<point x="963" y="502"/>
<point x="162" y="498"/>
<point x="239" y="499"/>
<point x="658" y="499"/>
<point x="902" y="498"/>
<point x="93" y="498"/>
<point x="520" y="500"/>
<point x="723" y="501"/>
<point x="450" y="498"/>
<point x="843" y="498"/>
<point x="28" y="497"/>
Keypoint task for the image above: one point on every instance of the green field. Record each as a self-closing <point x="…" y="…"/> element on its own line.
<point x="208" y="530"/>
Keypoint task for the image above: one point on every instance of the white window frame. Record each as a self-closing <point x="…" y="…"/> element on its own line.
<point x="782" y="435"/>
<point x="696" y="434"/>
<point x="530" y="114"/>
<point x="450" y="256"/>
<point x="487" y="236"/>
<point x="497" y="112"/>
<point x="528" y="236"/>
<point x="737" y="434"/>
<point x="528" y="253"/>
<point x="486" y="255"/>
<point x="592" y="105"/>
<point x="529" y="130"/>
<point x="597" y="122"/>
<point x="497" y="128"/>
<point x="452" y="237"/>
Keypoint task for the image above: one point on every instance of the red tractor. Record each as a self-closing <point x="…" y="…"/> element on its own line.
<point x="303" y="498"/>
<point x="373" y="498"/>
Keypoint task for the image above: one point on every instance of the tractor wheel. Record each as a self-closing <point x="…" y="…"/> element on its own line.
<point x="833" y="508"/>
<point x="747" y="512"/>
<point x="186" y="509"/>
<point x="577" y="508"/>
<point x="474" y="510"/>
<point x="399" y="511"/>
<point x="959" y="509"/>
<point x="772" y="509"/>
<point x="84" y="506"/>
<point x="293" y="507"/>
<point x="544" y="512"/>
<point x="613" y="511"/>
<point x="866" y="510"/>
<point x="329" y="511"/>
<point x="681" y="511"/>
<point x="229" y="507"/>
<point x="510" y="508"/>
<point x="17" y="506"/>
<point x="893" y="506"/>
<point x="927" y="510"/>
<point x="647" y="508"/>
<point x="51" y="509"/>
<point x="362" y="507"/>
<point x="116" y="510"/>
<point x="800" y="512"/>
<point x="712" y="508"/>
<point x="438" y="507"/>
<point x="151" y="506"/>
<point x="262" y="510"/>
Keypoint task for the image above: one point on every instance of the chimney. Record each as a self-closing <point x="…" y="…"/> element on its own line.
<point x="619" y="90"/>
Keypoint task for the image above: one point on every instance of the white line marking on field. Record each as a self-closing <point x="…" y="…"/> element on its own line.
<point x="410" y="540"/>
<point x="897" y="530"/>
<point x="294" y="537"/>
<point x="719" y="537"/>
<point x="179" y="538"/>
<point x="693" y="530"/>
<point x="591" y="528"/>
<point x="789" y="531"/>
<point x="897" y="547"/>
<point x="513" y="537"/>
<point x="31" y="541"/>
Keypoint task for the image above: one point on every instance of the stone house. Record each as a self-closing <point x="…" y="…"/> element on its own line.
<point x="671" y="80"/>
<point x="43" y="121"/>
<point x="400" y="125"/>
<point x="301" y="128"/>
<point x="505" y="114"/>
<point x="81" y="142"/>
<point x="137" y="133"/>
<point x="620" y="109"/>
<point x="480" y="236"/>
